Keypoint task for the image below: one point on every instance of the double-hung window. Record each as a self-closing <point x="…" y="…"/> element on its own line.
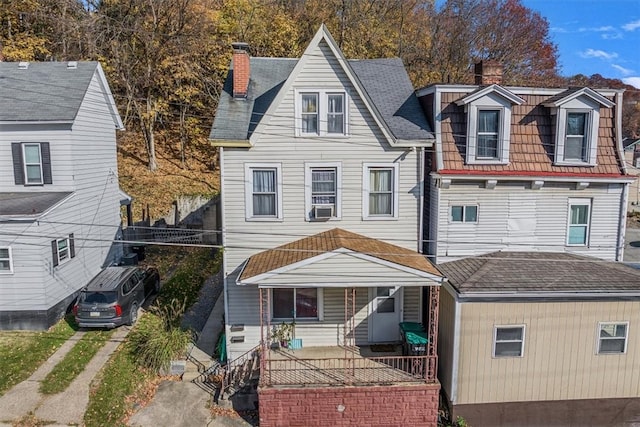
<point x="508" y="341"/>
<point x="321" y="113"/>
<point x="381" y="191"/>
<point x="297" y="303"/>
<point x="575" y="144"/>
<point x="487" y="142"/>
<point x="579" y="218"/>
<point x="263" y="188"/>
<point x="612" y="337"/>
<point x="31" y="163"/>
<point x="6" y="263"/>
<point x="322" y="190"/>
<point x="464" y="213"/>
<point x="63" y="250"/>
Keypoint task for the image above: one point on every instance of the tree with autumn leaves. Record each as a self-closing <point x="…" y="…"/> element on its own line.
<point x="166" y="60"/>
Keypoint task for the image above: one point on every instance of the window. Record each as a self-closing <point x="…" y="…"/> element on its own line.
<point x="464" y="213"/>
<point x="263" y="192"/>
<point x="578" y="229"/>
<point x="488" y="134"/>
<point x="321" y="113"/>
<point x="6" y="263"/>
<point x="380" y="197"/>
<point x="575" y="144"/>
<point x="31" y="163"/>
<point x="309" y="112"/>
<point x="298" y="303"/>
<point x="489" y="124"/>
<point x="322" y="190"/>
<point x="612" y="337"/>
<point x="508" y="341"/>
<point x="577" y="113"/>
<point x="63" y="250"/>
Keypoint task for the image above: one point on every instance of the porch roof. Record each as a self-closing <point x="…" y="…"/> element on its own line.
<point x="333" y="246"/>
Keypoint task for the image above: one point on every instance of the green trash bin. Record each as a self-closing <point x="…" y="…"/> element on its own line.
<point x="416" y="343"/>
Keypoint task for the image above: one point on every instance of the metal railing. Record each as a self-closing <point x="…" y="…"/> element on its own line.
<point x="238" y="370"/>
<point x="349" y="371"/>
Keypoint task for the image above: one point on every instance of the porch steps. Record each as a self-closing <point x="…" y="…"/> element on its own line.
<point x="199" y="366"/>
<point x="244" y="377"/>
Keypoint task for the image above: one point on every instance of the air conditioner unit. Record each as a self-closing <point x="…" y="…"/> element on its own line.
<point x="322" y="212"/>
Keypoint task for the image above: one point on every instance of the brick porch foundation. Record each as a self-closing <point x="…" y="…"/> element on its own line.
<point x="413" y="405"/>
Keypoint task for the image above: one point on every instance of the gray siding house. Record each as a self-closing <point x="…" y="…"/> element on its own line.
<point x="59" y="194"/>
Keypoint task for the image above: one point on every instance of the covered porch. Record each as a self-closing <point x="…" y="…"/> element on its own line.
<point x="343" y="297"/>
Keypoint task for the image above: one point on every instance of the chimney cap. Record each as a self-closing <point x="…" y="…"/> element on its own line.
<point x="240" y="46"/>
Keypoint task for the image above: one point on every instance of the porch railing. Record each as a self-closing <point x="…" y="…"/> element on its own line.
<point x="349" y="371"/>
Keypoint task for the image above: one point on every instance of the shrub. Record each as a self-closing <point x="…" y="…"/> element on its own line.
<point x="158" y="338"/>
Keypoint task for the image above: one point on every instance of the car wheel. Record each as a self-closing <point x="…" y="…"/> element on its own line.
<point x="133" y="315"/>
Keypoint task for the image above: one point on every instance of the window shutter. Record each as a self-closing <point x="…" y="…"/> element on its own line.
<point x="18" y="170"/>
<point x="54" y="251"/>
<point x="46" y="163"/>
<point x="72" y="247"/>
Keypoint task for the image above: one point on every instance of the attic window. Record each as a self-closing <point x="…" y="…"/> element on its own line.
<point x="321" y="112"/>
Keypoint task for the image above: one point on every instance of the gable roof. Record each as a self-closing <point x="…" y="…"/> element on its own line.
<point x="330" y="241"/>
<point x="49" y="91"/>
<point x="383" y="84"/>
<point x="484" y="91"/>
<point x="573" y="93"/>
<point x="513" y="274"/>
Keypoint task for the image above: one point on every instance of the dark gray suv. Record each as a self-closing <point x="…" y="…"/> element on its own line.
<point x="113" y="296"/>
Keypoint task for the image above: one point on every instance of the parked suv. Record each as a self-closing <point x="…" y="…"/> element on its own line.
<point x="113" y="296"/>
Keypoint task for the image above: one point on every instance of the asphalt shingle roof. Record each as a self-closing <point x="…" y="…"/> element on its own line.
<point x="385" y="81"/>
<point x="329" y="241"/>
<point x="28" y="203"/>
<point x="44" y="91"/>
<point x="522" y="272"/>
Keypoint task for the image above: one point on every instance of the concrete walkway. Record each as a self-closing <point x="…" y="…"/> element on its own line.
<point x="67" y="407"/>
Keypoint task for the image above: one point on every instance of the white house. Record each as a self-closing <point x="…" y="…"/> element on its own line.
<point x="59" y="195"/>
<point x="523" y="168"/>
<point x="321" y="184"/>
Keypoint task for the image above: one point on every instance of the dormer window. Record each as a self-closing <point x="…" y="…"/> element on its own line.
<point x="489" y="124"/>
<point x="577" y="119"/>
<point x="321" y="113"/>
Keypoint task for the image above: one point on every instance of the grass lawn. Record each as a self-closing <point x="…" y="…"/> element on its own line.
<point x="75" y="361"/>
<point x="22" y="352"/>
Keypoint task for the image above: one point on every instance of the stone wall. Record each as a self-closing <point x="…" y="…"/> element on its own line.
<point x="412" y="405"/>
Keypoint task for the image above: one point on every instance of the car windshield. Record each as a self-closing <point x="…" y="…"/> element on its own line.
<point x="98" y="297"/>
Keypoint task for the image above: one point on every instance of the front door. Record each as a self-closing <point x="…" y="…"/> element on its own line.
<point x="385" y="313"/>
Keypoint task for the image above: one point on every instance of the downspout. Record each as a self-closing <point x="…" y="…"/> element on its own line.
<point x="622" y="225"/>
<point x="224" y="257"/>
<point x="421" y="179"/>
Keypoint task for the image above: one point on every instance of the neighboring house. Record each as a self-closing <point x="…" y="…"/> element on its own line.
<point x="534" y="338"/>
<point x="321" y="185"/>
<point x="59" y="195"/>
<point x="632" y="161"/>
<point x="518" y="168"/>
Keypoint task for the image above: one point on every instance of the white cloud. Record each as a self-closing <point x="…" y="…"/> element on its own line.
<point x="597" y="29"/>
<point x="633" y="81"/>
<point x="631" y="26"/>
<point x="612" y="36"/>
<point x="624" y="71"/>
<point x="594" y="53"/>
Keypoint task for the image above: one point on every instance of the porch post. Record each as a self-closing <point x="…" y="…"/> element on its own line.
<point x="432" y="346"/>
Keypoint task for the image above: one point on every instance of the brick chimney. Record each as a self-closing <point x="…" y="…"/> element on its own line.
<point x="488" y="72"/>
<point x="241" y="70"/>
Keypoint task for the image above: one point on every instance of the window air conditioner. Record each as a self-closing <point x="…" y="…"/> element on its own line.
<point x="322" y="212"/>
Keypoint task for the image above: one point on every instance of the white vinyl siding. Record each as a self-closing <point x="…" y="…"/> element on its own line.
<point x="512" y="216"/>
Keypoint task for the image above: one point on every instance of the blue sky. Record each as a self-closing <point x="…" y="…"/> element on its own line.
<point x="595" y="36"/>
